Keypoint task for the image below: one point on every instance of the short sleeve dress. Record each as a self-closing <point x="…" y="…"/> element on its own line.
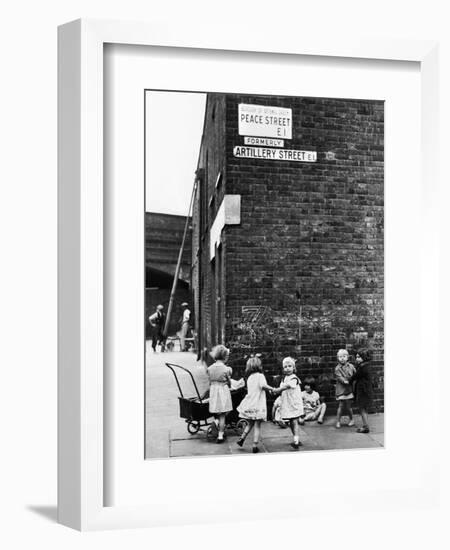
<point x="254" y="404"/>
<point x="344" y="389"/>
<point x="219" y="390"/>
<point x="291" y="402"/>
<point x="311" y="401"/>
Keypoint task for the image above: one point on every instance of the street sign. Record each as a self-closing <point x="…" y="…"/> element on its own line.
<point x="266" y="153"/>
<point x="265" y="121"/>
<point x="268" y="142"/>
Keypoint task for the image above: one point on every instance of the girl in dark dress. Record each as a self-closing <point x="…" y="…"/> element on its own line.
<point x="363" y="388"/>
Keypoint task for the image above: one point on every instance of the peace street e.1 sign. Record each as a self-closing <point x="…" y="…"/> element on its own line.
<point x="265" y="121"/>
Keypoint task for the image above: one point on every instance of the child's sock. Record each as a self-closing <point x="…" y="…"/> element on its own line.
<point x="296" y="439"/>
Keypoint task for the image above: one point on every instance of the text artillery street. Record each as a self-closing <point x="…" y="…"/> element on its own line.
<point x="274" y="154"/>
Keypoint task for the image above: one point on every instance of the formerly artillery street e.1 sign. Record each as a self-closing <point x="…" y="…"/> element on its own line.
<point x="267" y="153"/>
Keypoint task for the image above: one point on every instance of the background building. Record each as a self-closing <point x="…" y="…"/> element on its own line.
<point x="163" y="237"/>
<point x="287" y="247"/>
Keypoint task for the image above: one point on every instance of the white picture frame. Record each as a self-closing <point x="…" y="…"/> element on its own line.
<point x="81" y="407"/>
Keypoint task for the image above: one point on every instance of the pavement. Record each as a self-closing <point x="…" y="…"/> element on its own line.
<point x="167" y="435"/>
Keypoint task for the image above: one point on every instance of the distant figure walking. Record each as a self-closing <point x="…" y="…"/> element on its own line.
<point x="156" y="321"/>
<point x="185" y="325"/>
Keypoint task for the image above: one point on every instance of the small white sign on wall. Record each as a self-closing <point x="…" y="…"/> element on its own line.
<point x="265" y="121"/>
<point x="269" y="142"/>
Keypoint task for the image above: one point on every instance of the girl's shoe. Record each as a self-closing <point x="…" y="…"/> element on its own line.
<point x="255" y="450"/>
<point x="222" y="440"/>
<point x="295" y="445"/>
<point x="338" y="424"/>
<point x="363" y="430"/>
<point x="240" y="442"/>
<point x="351" y="423"/>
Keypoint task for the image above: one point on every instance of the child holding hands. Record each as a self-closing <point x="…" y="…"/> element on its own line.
<point x="291" y="402"/>
<point x="253" y="408"/>
<point x="219" y="392"/>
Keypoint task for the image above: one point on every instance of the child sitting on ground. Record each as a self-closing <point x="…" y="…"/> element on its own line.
<point x="314" y="409"/>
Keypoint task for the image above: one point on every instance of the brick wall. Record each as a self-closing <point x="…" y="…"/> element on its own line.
<point x="303" y="272"/>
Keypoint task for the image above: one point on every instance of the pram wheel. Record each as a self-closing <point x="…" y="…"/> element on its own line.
<point x="241" y="425"/>
<point x="211" y="432"/>
<point x="193" y="427"/>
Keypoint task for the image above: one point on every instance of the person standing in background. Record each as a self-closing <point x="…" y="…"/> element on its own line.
<point x="185" y="325"/>
<point x="156" y="321"/>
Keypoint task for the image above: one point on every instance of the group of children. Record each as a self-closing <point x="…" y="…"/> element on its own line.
<point x="293" y="406"/>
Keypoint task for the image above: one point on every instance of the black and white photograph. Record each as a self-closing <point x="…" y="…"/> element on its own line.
<point x="264" y="274"/>
<point x="231" y="223"/>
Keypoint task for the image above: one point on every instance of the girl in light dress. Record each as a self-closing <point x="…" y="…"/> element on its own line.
<point x="219" y="391"/>
<point x="253" y="408"/>
<point x="291" y="402"/>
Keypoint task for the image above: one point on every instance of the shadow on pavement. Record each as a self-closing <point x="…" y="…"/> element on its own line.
<point x="48" y="512"/>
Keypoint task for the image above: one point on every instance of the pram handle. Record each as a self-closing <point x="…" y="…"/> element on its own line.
<point x="170" y="366"/>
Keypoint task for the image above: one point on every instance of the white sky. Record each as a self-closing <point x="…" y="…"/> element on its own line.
<point x="174" y="124"/>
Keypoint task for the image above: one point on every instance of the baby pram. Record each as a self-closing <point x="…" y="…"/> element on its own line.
<point x="195" y="410"/>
